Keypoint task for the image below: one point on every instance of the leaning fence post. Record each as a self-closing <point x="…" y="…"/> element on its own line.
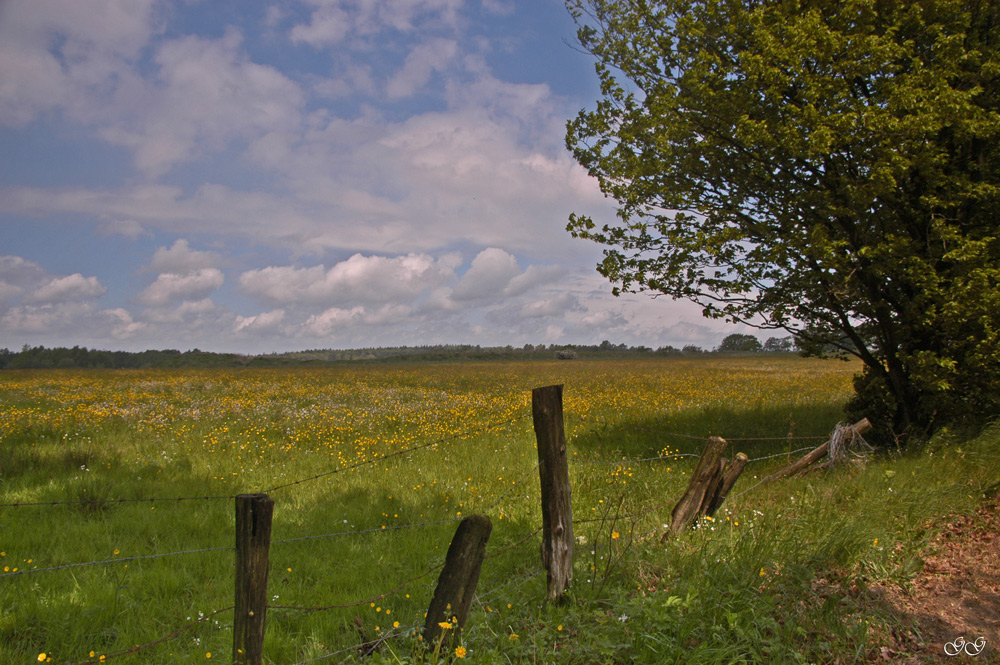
<point x="729" y="477"/>
<point x="253" y="540"/>
<point x="457" y="583"/>
<point x="553" y="470"/>
<point x="705" y="478"/>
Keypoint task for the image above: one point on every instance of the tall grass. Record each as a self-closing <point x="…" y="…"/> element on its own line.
<point x="720" y="593"/>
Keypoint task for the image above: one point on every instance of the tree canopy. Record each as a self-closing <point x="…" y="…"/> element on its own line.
<point x="827" y="168"/>
<point x="740" y="343"/>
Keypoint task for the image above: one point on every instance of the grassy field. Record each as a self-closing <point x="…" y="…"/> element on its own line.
<point x="371" y="467"/>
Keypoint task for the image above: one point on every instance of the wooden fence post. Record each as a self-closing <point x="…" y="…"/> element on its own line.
<point x="253" y="541"/>
<point x="553" y="471"/>
<point x="457" y="583"/>
<point x="729" y="476"/>
<point x="705" y="481"/>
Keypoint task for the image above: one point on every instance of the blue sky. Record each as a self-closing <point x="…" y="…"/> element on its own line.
<point x="240" y="175"/>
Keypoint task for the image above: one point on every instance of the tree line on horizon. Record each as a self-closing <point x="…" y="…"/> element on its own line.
<point x="80" y="357"/>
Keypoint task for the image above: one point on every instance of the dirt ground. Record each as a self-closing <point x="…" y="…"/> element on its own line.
<point x="957" y="595"/>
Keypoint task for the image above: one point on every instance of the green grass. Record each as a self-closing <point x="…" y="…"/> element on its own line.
<point x="700" y="597"/>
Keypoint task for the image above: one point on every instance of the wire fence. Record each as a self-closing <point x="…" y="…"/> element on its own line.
<point x="173" y="635"/>
<point x="102" y="502"/>
<point x="285" y="612"/>
<point x="116" y="560"/>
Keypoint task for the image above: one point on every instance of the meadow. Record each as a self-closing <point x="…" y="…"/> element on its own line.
<point x="132" y="474"/>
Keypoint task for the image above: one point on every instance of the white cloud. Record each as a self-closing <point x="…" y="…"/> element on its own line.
<point x="389" y="314"/>
<point x="189" y="313"/>
<point x="273" y="16"/>
<point x="331" y="320"/>
<point x="328" y="25"/>
<point x="68" y="54"/>
<point x="42" y="294"/>
<point x="351" y="80"/>
<point x="532" y="277"/>
<point x="359" y="319"/>
<point x="9" y="291"/>
<point x="358" y="279"/>
<point x="334" y="21"/>
<point x="490" y="273"/>
<point x="128" y="228"/>
<point x="17" y="275"/>
<point x="490" y="170"/>
<point x="422" y="61"/>
<point x="499" y="7"/>
<point x="69" y="317"/>
<point x="209" y="93"/>
<point x="606" y="319"/>
<point x="180" y="258"/>
<point x="556" y="306"/>
<point x="171" y="287"/>
<point x="263" y="323"/>
<point x="308" y="159"/>
<point x="71" y="287"/>
<point x="123" y="325"/>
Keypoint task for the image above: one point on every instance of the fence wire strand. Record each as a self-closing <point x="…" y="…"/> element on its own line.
<point x="306" y="610"/>
<point x="694" y="437"/>
<point x="483" y="598"/>
<point x="142" y="647"/>
<point x="123" y="559"/>
<point x="414" y="525"/>
<point x="382" y="529"/>
<point x="382" y="458"/>
<point x="363" y="648"/>
<point x="101" y="502"/>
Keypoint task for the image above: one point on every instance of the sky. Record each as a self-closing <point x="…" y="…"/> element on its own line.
<point x="255" y="177"/>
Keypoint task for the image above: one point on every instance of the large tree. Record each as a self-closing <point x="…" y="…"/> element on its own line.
<point x="826" y="167"/>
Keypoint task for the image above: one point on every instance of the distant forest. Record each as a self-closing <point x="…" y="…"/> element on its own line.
<point x="40" y="357"/>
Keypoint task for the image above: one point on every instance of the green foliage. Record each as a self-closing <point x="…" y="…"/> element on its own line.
<point x="740" y="343"/>
<point x="779" y="344"/>
<point x="831" y="169"/>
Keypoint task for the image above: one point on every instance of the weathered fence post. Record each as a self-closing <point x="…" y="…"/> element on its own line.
<point x="253" y="541"/>
<point x="457" y="583"/>
<point x="553" y="471"/>
<point x="729" y="477"/>
<point x="705" y="481"/>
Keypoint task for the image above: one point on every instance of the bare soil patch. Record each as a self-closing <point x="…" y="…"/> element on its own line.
<point x="957" y="595"/>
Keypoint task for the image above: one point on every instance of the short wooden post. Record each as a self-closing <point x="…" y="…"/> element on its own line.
<point x="729" y="477"/>
<point x="253" y="542"/>
<point x="553" y="471"/>
<point x="457" y="583"/>
<point x="705" y="475"/>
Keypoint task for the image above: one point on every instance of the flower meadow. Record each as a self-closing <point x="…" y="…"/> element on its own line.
<point x="116" y="525"/>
